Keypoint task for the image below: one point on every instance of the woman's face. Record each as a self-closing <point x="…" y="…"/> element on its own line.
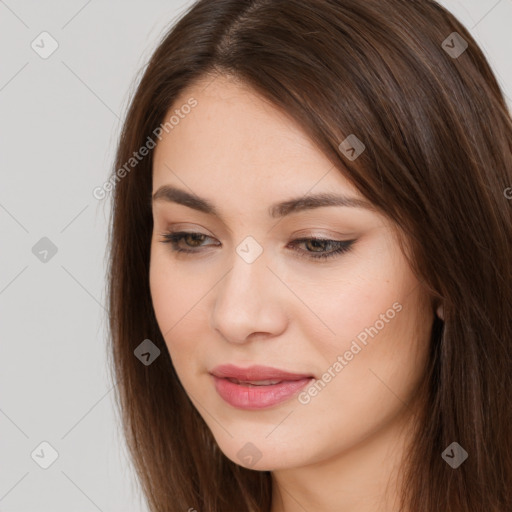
<point x="250" y="292"/>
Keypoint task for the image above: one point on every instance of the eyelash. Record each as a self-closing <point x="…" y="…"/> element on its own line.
<point x="342" y="246"/>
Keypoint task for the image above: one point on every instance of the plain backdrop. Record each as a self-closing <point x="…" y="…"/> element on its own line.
<point x="59" y="123"/>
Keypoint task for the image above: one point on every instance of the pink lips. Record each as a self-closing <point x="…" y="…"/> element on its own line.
<point x="244" y="396"/>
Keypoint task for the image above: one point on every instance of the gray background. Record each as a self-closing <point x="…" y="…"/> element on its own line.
<point x="59" y="123"/>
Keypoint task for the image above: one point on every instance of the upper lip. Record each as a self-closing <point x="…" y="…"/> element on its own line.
<point x="255" y="373"/>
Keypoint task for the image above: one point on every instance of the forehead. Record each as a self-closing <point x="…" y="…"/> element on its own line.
<point x="235" y="142"/>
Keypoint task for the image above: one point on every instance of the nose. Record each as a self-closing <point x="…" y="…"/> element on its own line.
<point x="250" y="302"/>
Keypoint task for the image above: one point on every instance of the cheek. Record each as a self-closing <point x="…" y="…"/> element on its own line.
<point x="179" y="305"/>
<point x="164" y="286"/>
<point x="378" y="320"/>
<point x="379" y="352"/>
<point x="173" y="292"/>
<point x="364" y="295"/>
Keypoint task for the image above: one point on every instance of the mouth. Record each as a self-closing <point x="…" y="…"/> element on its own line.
<point x="256" y="373"/>
<point x="257" y="387"/>
<point x="255" y="383"/>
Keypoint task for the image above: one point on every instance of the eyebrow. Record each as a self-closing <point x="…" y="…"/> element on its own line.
<point x="176" y="195"/>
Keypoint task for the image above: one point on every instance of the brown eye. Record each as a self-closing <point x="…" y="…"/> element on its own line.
<point x="191" y="240"/>
<point x="316" y="248"/>
<point x="318" y="245"/>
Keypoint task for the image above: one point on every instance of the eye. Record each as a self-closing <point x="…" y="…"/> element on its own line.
<point x="338" y="247"/>
<point x="174" y="238"/>
<point x="193" y="242"/>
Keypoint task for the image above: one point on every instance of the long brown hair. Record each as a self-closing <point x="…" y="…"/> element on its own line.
<point x="438" y="162"/>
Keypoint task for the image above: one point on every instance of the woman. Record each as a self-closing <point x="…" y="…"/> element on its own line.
<point x="310" y="266"/>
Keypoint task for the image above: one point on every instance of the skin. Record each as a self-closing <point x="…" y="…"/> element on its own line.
<point x="340" y="451"/>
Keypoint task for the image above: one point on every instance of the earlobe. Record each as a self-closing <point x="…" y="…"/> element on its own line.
<point x="440" y="312"/>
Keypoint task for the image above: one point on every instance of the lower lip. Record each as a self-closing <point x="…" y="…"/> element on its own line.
<point x="258" y="397"/>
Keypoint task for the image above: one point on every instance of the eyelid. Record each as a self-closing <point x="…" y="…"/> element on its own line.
<point x="341" y="246"/>
<point x="303" y="233"/>
<point x="326" y="234"/>
<point x="189" y="228"/>
<point x="325" y="231"/>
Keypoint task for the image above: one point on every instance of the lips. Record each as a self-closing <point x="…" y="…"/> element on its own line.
<point x="256" y="387"/>
<point x="254" y="374"/>
<point x="255" y="383"/>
